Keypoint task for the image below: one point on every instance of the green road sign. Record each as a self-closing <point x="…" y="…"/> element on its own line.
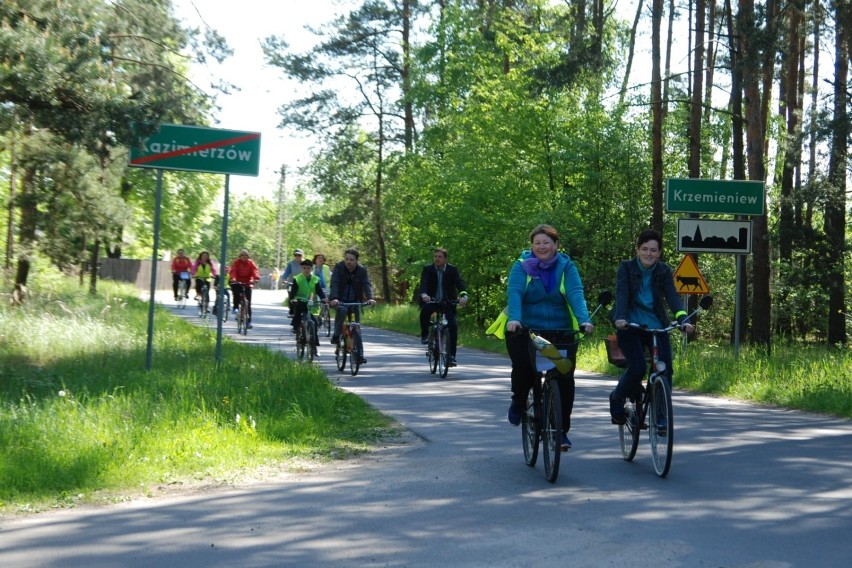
<point x="199" y="149"/>
<point x="733" y="197"/>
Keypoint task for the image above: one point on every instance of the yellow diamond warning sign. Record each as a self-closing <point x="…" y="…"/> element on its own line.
<point x="688" y="279"/>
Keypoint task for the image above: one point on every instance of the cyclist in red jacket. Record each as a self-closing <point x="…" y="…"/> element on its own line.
<point x="181" y="267"/>
<point x="244" y="273"/>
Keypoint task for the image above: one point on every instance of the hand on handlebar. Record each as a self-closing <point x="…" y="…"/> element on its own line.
<point x="588" y="328"/>
<point x="371" y="302"/>
<point x="513" y="326"/>
<point x="334" y="303"/>
<point x="688" y="328"/>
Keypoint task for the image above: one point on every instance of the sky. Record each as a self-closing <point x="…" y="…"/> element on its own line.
<point x="262" y="89"/>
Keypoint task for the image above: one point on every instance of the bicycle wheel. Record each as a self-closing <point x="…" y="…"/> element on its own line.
<point x="181" y="301"/>
<point x="310" y="338"/>
<point x="357" y="352"/>
<point x="205" y="300"/>
<point x="660" y="425"/>
<point x="551" y="428"/>
<point x="443" y="355"/>
<point x="300" y="342"/>
<point x="243" y="315"/>
<point x="530" y="432"/>
<point x="326" y="319"/>
<point x="340" y="353"/>
<point x="432" y="351"/>
<point x="628" y="433"/>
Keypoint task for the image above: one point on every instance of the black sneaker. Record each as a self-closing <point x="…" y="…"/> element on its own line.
<point x="424" y="339"/>
<point x="451" y="361"/>
<point x="334" y="339"/>
<point x="362" y="361"/>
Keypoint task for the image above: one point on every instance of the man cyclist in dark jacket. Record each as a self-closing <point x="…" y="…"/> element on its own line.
<point x="349" y="283"/>
<point x="441" y="281"/>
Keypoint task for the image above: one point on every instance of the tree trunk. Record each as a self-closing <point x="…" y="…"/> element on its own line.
<point x="380" y="231"/>
<point x="812" y="146"/>
<point x="790" y="109"/>
<point x="710" y="66"/>
<point x="738" y="152"/>
<point x="630" y="52"/>
<point x="696" y="107"/>
<point x="656" y="119"/>
<point x="93" y="267"/>
<point x="668" y="68"/>
<point x="406" y="77"/>
<point x="761" y="302"/>
<point x="835" y="207"/>
<point x="27" y="233"/>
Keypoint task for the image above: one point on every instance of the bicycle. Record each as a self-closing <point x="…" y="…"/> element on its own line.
<point x="183" y="290"/>
<point x="349" y="343"/>
<point x="654" y="399"/>
<point x="242" y="313"/>
<point x="306" y="335"/>
<point x="226" y="306"/>
<point x="204" y="300"/>
<point x="438" y="343"/>
<point x="542" y="419"/>
<point x="325" y="318"/>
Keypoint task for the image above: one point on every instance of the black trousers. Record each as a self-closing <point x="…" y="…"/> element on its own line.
<point x="524" y="373"/>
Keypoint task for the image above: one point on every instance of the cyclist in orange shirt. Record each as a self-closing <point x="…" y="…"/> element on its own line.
<point x="244" y="273"/>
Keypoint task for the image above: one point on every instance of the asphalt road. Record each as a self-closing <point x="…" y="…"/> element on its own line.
<point x="750" y="486"/>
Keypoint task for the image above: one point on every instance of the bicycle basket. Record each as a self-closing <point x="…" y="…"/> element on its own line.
<point x="613" y="353"/>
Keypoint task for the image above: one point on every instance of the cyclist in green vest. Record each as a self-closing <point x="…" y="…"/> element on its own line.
<point x="305" y="286"/>
<point x="203" y="270"/>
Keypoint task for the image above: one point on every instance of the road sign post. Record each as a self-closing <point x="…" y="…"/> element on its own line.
<point x="195" y="149"/>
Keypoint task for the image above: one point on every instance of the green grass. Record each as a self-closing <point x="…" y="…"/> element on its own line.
<point x="805" y="377"/>
<point x="82" y="421"/>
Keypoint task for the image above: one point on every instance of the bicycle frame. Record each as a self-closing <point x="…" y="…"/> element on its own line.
<point x="436" y="351"/>
<point x="204" y="300"/>
<point x="349" y="343"/>
<point x="306" y="334"/>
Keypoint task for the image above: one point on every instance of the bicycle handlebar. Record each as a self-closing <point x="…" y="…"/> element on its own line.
<point x="672" y="326"/>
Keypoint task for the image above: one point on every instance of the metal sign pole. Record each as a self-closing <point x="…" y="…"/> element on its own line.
<point x="222" y="268"/>
<point x="738" y="295"/>
<point x="158" y="199"/>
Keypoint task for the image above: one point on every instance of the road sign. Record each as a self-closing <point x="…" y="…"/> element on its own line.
<point x="688" y="279"/>
<point x="199" y="149"/>
<point x="712" y="235"/>
<point x="735" y="197"/>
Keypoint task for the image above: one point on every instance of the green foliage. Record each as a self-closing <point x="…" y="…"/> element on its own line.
<point x="79" y="415"/>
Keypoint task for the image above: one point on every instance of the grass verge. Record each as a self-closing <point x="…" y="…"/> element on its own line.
<point x="82" y="421"/>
